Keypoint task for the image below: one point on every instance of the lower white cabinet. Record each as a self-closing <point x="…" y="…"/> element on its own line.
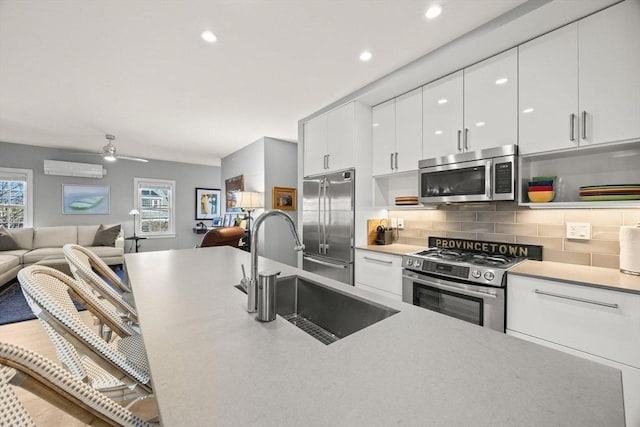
<point x="593" y="323"/>
<point x="379" y="273"/>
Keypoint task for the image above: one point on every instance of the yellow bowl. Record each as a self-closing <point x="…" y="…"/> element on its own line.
<point x="541" y="196"/>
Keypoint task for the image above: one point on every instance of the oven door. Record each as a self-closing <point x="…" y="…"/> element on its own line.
<point x="480" y="305"/>
<point x="457" y="182"/>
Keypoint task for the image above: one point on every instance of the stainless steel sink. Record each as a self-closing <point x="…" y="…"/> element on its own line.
<point x="325" y="313"/>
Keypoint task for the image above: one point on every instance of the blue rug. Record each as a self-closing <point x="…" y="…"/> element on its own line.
<point x="14" y="308"/>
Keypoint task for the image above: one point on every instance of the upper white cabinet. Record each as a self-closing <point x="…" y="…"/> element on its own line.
<point x="472" y="109"/>
<point x="609" y="64"/>
<point x="329" y="141"/>
<point x="580" y="84"/>
<point x="397" y="134"/>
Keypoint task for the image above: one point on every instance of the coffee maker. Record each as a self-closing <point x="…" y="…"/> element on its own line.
<point x="384" y="235"/>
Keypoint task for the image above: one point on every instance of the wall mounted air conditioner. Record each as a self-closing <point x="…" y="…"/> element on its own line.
<point x="84" y="170"/>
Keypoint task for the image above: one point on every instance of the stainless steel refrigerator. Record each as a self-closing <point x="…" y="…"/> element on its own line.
<point x="328" y="225"/>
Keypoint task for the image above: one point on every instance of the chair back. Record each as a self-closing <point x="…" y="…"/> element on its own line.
<point x="48" y="293"/>
<point x="82" y="263"/>
<point x="224" y="236"/>
<point x="45" y="379"/>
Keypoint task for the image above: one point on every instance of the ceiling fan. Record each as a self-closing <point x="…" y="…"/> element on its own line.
<point x="109" y="152"/>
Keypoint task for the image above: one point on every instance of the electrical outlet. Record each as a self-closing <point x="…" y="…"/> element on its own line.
<point x="400" y="222"/>
<point x="394" y="222"/>
<point x="579" y="230"/>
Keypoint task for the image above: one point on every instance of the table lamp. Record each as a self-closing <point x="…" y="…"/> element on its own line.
<point x="134" y="212"/>
<point x="249" y="201"/>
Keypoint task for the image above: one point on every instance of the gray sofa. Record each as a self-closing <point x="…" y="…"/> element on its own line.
<point x="43" y="245"/>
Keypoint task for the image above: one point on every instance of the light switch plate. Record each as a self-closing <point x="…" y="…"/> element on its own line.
<point x="579" y="230"/>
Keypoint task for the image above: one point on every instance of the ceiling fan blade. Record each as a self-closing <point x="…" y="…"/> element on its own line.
<point x="135" y="159"/>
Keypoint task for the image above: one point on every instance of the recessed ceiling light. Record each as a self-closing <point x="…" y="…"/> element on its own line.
<point x="480" y="124"/>
<point x="442" y="101"/>
<point x="208" y="36"/>
<point x="375" y="125"/>
<point x="438" y="132"/>
<point x="527" y="110"/>
<point x="502" y="81"/>
<point x="366" y="56"/>
<point x="433" y="12"/>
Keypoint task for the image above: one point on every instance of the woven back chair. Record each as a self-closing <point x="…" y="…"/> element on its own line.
<point x="45" y="379"/>
<point x="48" y="293"/>
<point x="85" y="266"/>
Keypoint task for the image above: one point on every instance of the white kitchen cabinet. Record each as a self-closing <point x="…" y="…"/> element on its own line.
<point x="384" y="137"/>
<point x="397" y="134"/>
<point x="442" y="110"/>
<point x="609" y="64"/>
<point x="491" y="102"/>
<point x="329" y="141"/>
<point x="581" y="320"/>
<point x="382" y="272"/>
<point x="580" y="84"/>
<point x="548" y="82"/>
<point x="473" y="109"/>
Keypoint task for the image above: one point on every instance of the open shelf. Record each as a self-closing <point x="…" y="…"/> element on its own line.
<point x="604" y="164"/>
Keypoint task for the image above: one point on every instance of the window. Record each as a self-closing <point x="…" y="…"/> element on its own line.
<point x="155" y="199"/>
<point x="16" y="197"/>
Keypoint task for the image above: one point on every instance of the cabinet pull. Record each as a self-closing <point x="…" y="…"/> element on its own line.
<point x="396" y="162"/>
<point x="324" y="161"/>
<point x="584" y="125"/>
<point x="378" y="260"/>
<point x="588" y="301"/>
<point x="466" y="139"/>
<point x="327" y="161"/>
<point x="459" y="135"/>
<point x="572" y="127"/>
<point x="391" y="161"/>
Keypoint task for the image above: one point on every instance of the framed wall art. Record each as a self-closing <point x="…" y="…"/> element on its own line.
<point x="207" y="203"/>
<point x="231" y="187"/>
<point x="284" y="198"/>
<point x="85" y="199"/>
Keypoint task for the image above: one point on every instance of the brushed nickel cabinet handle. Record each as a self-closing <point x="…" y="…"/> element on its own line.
<point x="378" y="260"/>
<point x="572" y="127"/>
<point x="391" y="161"/>
<point x="396" y="161"/>
<point x="459" y="136"/>
<point x="466" y="139"/>
<point x="572" y="298"/>
<point x="584" y="125"/>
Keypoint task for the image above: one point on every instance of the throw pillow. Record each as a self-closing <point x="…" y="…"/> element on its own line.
<point x="106" y="236"/>
<point x="7" y="243"/>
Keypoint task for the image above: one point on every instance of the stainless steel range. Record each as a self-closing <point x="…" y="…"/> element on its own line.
<point x="459" y="281"/>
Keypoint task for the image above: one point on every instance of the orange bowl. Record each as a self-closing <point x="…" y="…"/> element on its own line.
<point x="541" y="196"/>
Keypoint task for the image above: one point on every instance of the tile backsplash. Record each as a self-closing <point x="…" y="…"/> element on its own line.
<point x="508" y="222"/>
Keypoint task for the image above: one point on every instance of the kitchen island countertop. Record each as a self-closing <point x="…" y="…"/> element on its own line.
<point x="212" y="363"/>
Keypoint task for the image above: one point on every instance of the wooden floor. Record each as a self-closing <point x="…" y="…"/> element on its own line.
<point x="30" y="334"/>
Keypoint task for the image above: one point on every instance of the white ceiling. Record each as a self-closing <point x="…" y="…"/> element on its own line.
<point x="73" y="70"/>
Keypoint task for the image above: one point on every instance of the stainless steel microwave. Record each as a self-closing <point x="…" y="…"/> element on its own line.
<point x="475" y="176"/>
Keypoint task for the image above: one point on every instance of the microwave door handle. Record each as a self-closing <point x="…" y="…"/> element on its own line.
<point x="488" y="179"/>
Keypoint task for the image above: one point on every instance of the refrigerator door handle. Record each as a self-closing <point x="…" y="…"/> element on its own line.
<point x="327" y="264"/>
<point x="324" y="220"/>
<point x="320" y="232"/>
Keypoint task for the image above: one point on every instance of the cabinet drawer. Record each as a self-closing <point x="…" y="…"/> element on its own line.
<point x="379" y="291"/>
<point x="379" y="271"/>
<point x="598" y="321"/>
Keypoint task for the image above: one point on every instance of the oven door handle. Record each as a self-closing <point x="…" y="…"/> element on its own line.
<point x="449" y="287"/>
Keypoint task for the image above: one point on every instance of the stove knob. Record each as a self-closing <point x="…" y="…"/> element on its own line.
<point x="409" y="262"/>
<point x="475" y="274"/>
<point x="489" y="276"/>
<point x="418" y="263"/>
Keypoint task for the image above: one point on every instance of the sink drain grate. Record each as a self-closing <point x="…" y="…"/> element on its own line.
<point x="311" y="328"/>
